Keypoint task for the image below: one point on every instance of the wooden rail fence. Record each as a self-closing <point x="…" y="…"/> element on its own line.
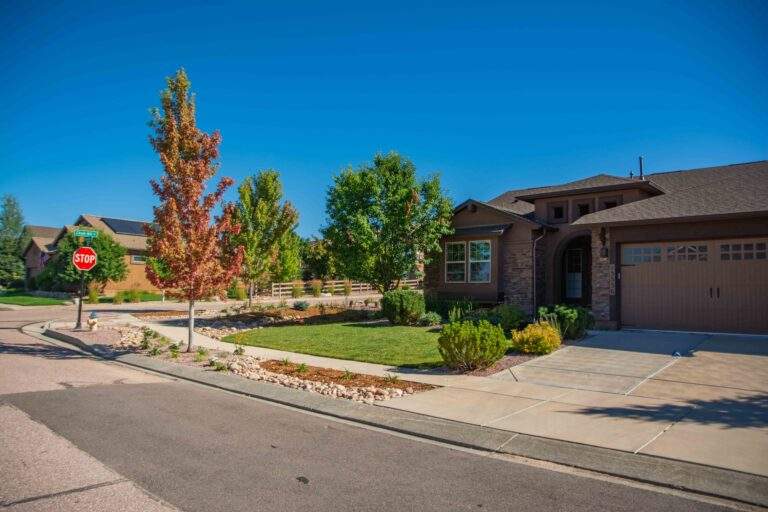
<point x="333" y="287"/>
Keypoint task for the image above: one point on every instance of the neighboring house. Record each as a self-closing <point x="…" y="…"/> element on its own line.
<point x="129" y="234"/>
<point x="38" y="249"/>
<point x="683" y="250"/>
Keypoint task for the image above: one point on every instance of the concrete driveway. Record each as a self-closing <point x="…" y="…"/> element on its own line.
<point x="610" y="362"/>
<point x="626" y="391"/>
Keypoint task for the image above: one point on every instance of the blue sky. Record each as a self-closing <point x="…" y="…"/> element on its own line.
<point x="493" y="96"/>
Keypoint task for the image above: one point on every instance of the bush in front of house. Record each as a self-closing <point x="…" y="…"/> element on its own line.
<point x="443" y="306"/>
<point x="429" y="319"/>
<point x="301" y="305"/>
<point x="118" y="298"/>
<point x="470" y="345"/>
<point x="537" y="338"/>
<point x="573" y="321"/>
<point x="506" y="316"/>
<point x="402" y="307"/>
<point x="93" y="295"/>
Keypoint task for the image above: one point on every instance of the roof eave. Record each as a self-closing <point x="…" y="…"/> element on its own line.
<point x="512" y="215"/>
<point x="645" y="185"/>
<point x="673" y="220"/>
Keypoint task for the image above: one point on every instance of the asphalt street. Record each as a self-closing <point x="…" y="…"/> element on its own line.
<point x="199" y="449"/>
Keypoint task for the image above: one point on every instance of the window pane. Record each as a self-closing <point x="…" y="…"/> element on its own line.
<point x="454" y="272"/>
<point x="480" y="272"/>
<point x="455" y="252"/>
<point x="479" y="251"/>
<point x="760" y="246"/>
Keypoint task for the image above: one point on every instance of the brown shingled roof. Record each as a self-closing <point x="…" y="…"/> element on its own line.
<point x="129" y="241"/>
<point x="739" y="189"/>
<point x="42" y="231"/>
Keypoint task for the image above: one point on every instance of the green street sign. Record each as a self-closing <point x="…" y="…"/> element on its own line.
<point x="86" y="233"/>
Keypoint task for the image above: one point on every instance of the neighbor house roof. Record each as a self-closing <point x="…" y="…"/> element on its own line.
<point x="128" y="233"/>
<point x="41" y="237"/>
<point x="728" y="190"/>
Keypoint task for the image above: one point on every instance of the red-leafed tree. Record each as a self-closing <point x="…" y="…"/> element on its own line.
<point x="186" y="241"/>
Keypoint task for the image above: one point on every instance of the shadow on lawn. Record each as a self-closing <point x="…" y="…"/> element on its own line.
<point x="742" y="412"/>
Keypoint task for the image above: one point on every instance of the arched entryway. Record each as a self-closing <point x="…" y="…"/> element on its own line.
<point x="575" y="270"/>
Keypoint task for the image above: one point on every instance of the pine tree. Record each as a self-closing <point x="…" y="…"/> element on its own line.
<point x="11" y="235"/>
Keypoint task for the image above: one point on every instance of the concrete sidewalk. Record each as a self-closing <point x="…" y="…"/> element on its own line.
<point x="677" y="426"/>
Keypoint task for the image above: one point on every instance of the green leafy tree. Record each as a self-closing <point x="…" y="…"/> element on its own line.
<point x="287" y="266"/>
<point x="317" y="259"/>
<point x="11" y="236"/>
<point x="60" y="273"/>
<point x="266" y="227"/>
<point x="382" y="220"/>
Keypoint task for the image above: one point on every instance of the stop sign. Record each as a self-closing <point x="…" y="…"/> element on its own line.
<point x="84" y="258"/>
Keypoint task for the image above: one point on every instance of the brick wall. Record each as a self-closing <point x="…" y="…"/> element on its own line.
<point x="517" y="273"/>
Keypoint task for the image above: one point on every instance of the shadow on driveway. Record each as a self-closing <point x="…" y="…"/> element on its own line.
<point x="745" y="411"/>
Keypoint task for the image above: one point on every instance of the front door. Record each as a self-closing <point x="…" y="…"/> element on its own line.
<point x="576" y="272"/>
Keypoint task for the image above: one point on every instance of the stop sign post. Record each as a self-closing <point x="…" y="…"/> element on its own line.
<point x="84" y="259"/>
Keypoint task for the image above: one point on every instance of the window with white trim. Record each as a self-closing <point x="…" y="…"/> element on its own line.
<point x="455" y="262"/>
<point x="138" y="259"/>
<point x="480" y="261"/>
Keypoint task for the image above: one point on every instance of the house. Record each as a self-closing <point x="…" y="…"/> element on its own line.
<point x="129" y="234"/>
<point x="681" y="250"/>
<point x="39" y="248"/>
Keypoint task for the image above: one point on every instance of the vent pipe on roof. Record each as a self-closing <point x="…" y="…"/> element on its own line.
<point x="640" y="161"/>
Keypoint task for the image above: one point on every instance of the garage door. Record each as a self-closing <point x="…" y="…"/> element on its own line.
<point x="708" y="285"/>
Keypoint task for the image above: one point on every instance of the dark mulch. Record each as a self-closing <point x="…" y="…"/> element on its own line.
<point x="330" y="376"/>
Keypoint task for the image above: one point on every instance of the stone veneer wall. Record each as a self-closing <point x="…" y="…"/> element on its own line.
<point x="603" y="280"/>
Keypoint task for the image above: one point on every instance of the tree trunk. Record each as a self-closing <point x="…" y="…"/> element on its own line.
<point x="191" y="325"/>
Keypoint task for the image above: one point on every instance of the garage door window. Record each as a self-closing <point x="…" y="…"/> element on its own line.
<point x="687" y="253"/>
<point x="743" y="251"/>
<point x="637" y="255"/>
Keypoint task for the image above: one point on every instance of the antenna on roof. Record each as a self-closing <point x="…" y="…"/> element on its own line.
<point x="640" y="161"/>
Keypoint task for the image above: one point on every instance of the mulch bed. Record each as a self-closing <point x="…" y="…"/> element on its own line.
<point x="508" y="361"/>
<point x="331" y="376"/>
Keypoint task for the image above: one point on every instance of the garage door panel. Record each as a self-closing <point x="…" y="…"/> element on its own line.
<point x="717" y="285"/>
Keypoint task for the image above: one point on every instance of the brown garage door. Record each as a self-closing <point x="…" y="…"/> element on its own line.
<point x="708" y="285"/>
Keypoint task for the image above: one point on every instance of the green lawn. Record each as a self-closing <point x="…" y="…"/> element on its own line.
<point x="370" y="343"/>
<point x="21" y="298"/>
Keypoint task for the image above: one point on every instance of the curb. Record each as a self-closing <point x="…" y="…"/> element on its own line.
<point x="688" y="476"/>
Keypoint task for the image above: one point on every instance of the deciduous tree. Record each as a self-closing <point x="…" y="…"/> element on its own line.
<point x="187" y="242"/>
<point x="266" y="228"/>
<point x="382" y="220"/>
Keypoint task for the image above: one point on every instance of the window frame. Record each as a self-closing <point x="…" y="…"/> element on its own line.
<point x="469" y="260"/>
<point x="446" y="262"/>
<point x="590" y="203"/>
<point x="601" y="202"/>
<point x="142" y="261"/>
<point x="551" y="212"/>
